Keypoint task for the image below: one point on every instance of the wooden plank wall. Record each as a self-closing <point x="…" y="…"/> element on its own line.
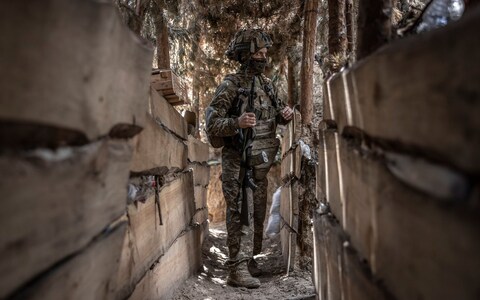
<point x="397" y="172"/>
<point x="162" y="247"/>
<point x="77" y="128"/>
<point x="45" y="78"/>
<point x="57" y="201"/>
<point x="198" y="154"/>
<point x="290" y="173"/>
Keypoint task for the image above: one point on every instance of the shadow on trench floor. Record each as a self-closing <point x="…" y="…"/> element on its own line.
<point x="210" y="283"/>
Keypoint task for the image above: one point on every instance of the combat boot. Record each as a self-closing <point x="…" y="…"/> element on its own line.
<point x="239" y="276"/>
<point x="253" y="268"/>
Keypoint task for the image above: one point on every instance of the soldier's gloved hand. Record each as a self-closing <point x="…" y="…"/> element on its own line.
<point x="247" y="119"/>
<point x="287" y="113"/>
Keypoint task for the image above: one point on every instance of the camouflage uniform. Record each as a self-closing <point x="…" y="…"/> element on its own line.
<point x="223" y="123"/>
<point x="248" y="47"/>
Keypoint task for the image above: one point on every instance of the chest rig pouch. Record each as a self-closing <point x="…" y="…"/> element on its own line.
<point x="265" y="144"/>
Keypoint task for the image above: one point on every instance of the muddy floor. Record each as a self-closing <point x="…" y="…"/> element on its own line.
<point x="210" y="283"/>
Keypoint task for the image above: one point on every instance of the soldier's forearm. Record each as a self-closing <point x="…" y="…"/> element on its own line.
<point x="224" y="127"/>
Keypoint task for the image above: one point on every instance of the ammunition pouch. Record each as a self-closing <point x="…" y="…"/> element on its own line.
<point x="265" y="129"/>
<point x="258" y="159"/>
<point x="260" y="148"/>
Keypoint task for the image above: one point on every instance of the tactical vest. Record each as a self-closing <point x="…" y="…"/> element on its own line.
<point x="265" y="144"/>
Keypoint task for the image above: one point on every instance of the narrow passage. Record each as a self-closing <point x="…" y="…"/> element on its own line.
<point x="210" y="283"/>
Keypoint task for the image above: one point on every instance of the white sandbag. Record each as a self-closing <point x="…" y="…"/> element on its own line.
<point x="273" y="226"/>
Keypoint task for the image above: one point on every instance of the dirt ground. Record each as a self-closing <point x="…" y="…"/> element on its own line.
<point x="210" y="283"/>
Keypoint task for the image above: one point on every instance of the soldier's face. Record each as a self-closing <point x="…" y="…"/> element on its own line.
<point x="260" y="54"/>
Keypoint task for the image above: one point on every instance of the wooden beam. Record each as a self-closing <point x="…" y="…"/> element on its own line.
<point x="289" y="227"/>
<point x="289" y="200"/>
<point x="158" y="151"/>
<point x="86" y="275"/>
<point x="170" y="86"/>
<point x="181" y="261"/>
<point x="87" y="84"/>
<point x="292" y="133"/>
<point x="338" y="271"/>
<point x="201" y="174"/>
<point x="331" y="173"/>
<point x="147" y="240"/>
<point x="420" y="92"/>
<point x="418" y="247"/>
<point x="291" y="164"/>
<point x="201" y="216"/>
<point x="321" y="172"/>
<point x="164" y="113"/>
<point x="200" y="197"/>
<point x="53" y="198"/>
<point x="198" y="151"/>
<point x="340" y="103"/>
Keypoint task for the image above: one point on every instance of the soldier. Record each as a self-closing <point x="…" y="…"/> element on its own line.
<point x="227" y="118"/>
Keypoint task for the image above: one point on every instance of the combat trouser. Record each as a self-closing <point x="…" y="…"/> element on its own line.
<point x="231" y="188"/>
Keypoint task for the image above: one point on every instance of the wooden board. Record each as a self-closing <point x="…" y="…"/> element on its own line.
<point x="288" y="244"/>
<point x="291" y="164"/>
<point x="204" y="232"/>
<point x="201" y="216"/>
<point x="361" y="196"/>
<point x="147" y="240"/>
<point x="338" y="271"/>
<point x="328" y="113"/>
<point x="89" y="83"/>
<point x="292" y="133"/>
<point x="320" y="172"/>
<point x="181" y="261"/>
<point x="162" y="80"/>
<point x="201" y="174"/>
<point x="289" y="200"/>
<point x="86" y="275"/>
<point x="333" y="247"/>
<point x="417" y="246"/>
<point x="421" y="92"/>
<point x="342" y="104"/>
<point x="332" y="165"/>
<point x="158" y="151"/>
<point x="319" y="272"/>
<point x="198" y="151"/>
<point x="289" y="226"/>
<point x="200" y="197"/>
<point x="335" y="98"/>
<point x="170" y="86"/>
<point x="54" y="203"/>
<point x="164" y="113"/>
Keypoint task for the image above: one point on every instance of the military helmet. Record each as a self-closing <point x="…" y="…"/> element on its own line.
<point x="247" y="42"/>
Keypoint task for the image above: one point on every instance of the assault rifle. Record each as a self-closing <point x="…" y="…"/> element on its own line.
<point x="246" y="170"/>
